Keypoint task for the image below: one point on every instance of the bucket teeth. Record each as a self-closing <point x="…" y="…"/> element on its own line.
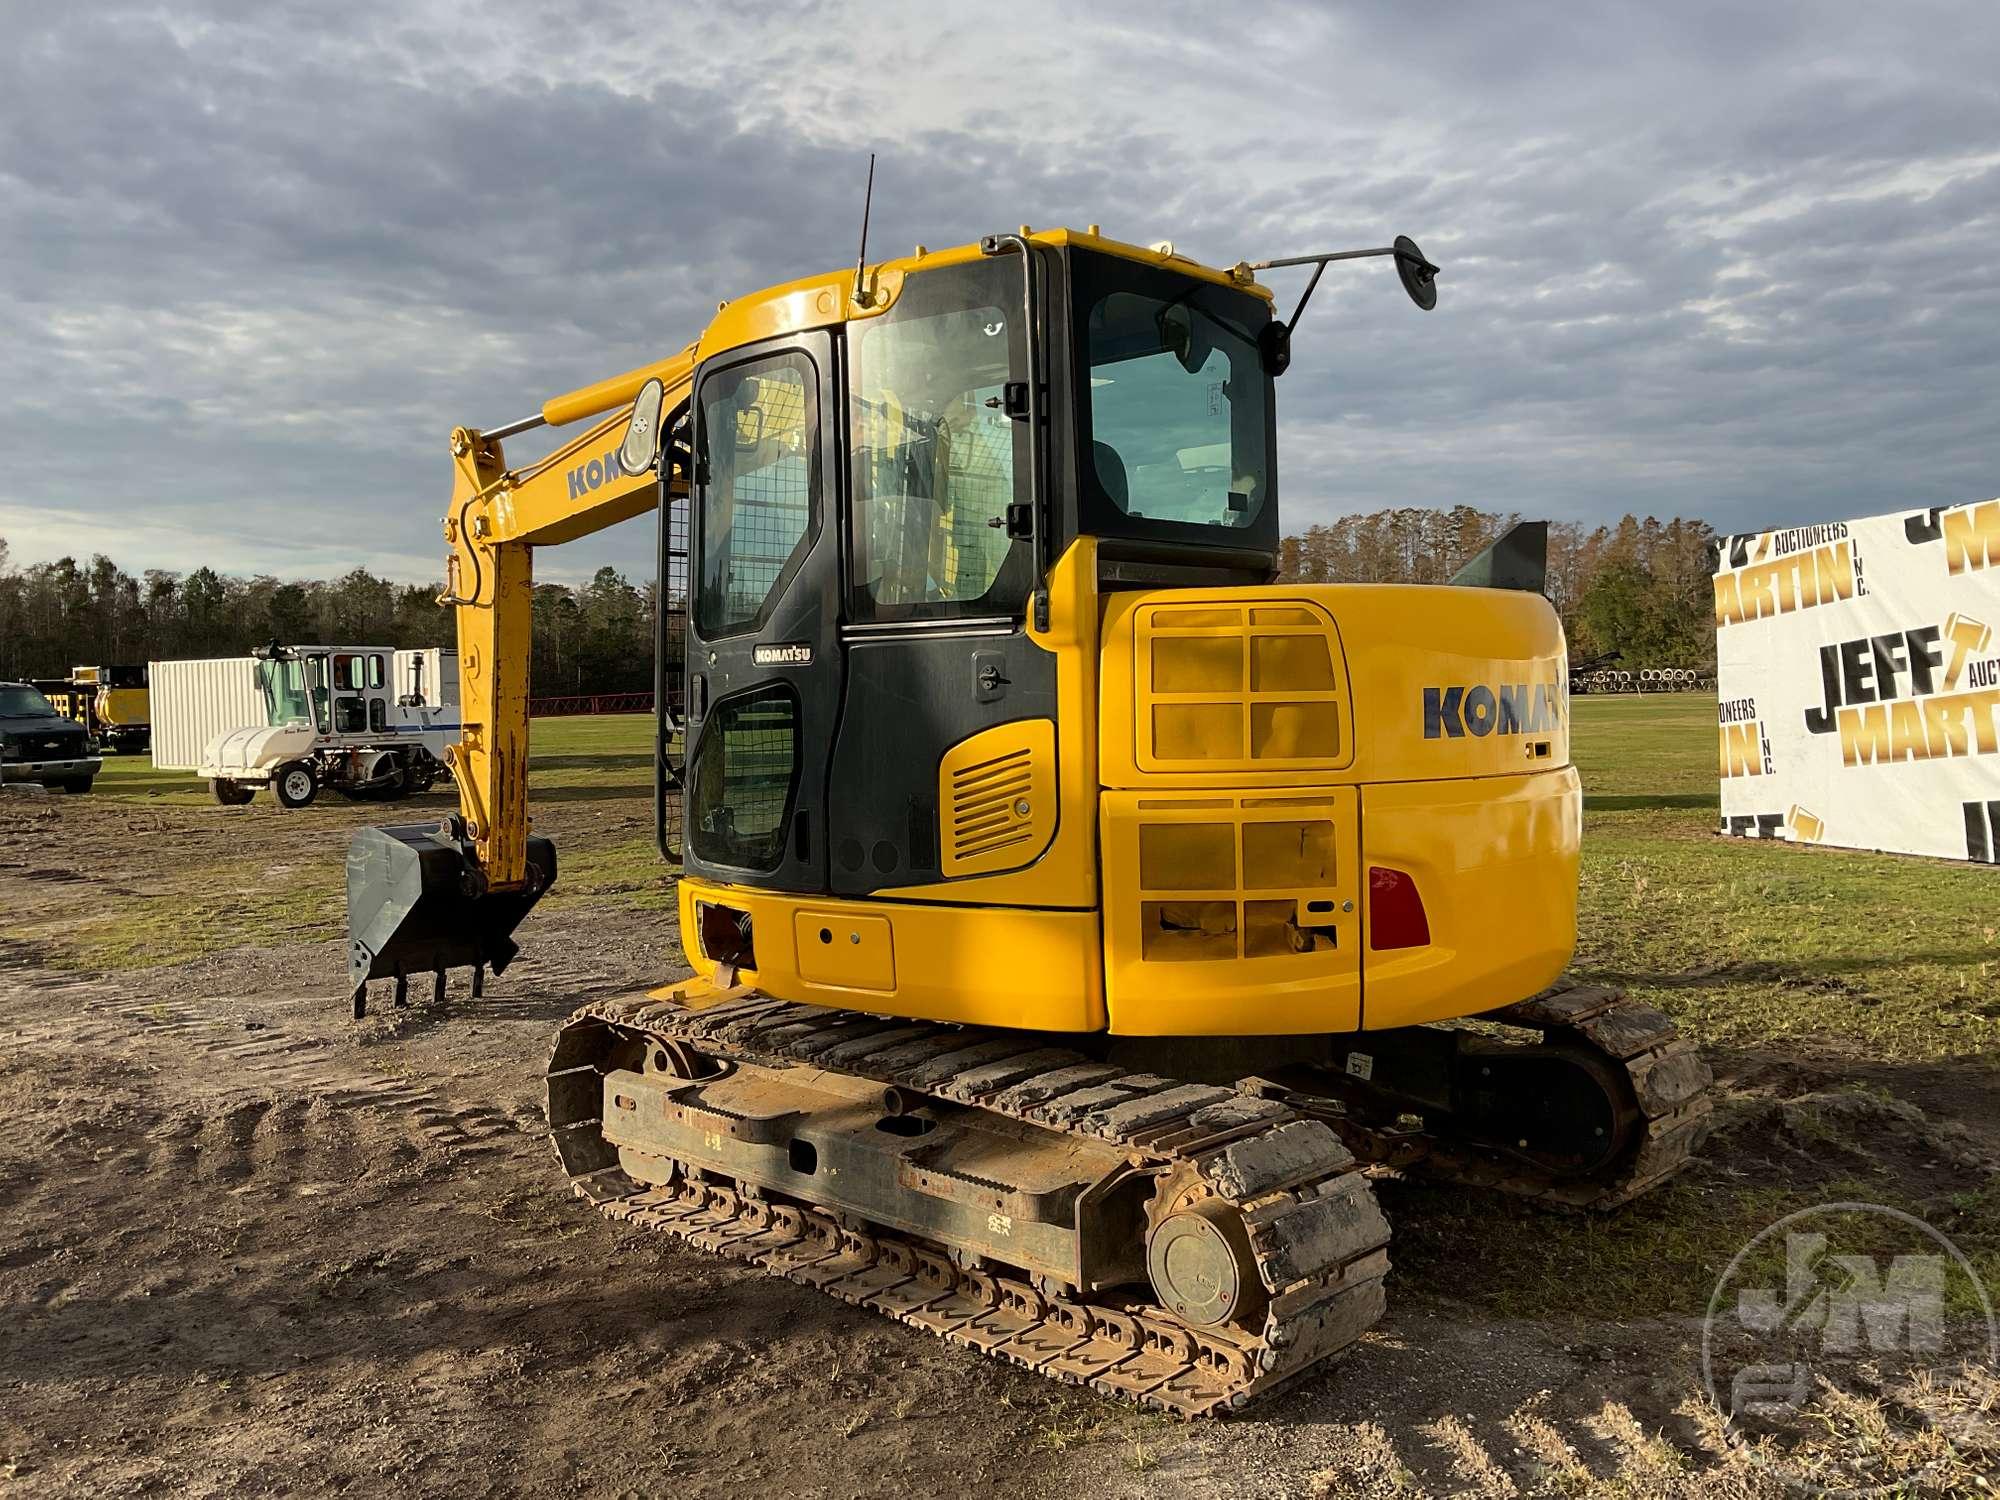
<point x="416" y="906"/>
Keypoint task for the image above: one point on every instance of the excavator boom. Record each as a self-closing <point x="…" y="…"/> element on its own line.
<point x="427" y="898"/>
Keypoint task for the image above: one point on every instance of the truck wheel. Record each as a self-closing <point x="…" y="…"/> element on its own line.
<point x="423" y="772"/>
<point x="231" y="793"/>
<point x="77" y="788"/>
<point x="296" y="783"/>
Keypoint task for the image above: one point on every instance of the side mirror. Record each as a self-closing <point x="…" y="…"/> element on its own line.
<point x="641" y="448"/>
<point x="1419" y="275"/>
<point x="1182" y="333"/>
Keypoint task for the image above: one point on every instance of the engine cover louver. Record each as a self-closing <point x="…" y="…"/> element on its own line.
<point x="990" y="806"/>
<point x="997" y="795"/>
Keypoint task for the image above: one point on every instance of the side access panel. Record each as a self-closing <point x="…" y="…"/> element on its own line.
<point x="1233" y="915"/>
<point x="1495" y="860"/>
<point x="1016" y="967"/>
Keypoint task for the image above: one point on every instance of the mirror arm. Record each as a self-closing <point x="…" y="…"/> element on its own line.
<point x="1291" y="327"/>
<point x="1319" y="264"/>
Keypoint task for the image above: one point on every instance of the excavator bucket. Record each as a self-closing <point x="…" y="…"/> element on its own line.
<point x="417" y="904"/>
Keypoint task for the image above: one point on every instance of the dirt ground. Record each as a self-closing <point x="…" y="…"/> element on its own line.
<point x="251" y="1247"/>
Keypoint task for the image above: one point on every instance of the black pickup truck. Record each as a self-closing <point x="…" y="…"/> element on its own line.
<point x="39" y="744"/>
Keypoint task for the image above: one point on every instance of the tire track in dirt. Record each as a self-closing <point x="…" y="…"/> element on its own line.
<point x="265" y="1057"/>
<point x="1530" y="1454"/>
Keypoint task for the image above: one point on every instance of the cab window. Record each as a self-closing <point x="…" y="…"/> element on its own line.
<point x="1175" y="407"/>
<point x="758" y="469"/>
<point x="937" y="459"/>
<point x="1177" y="419"/>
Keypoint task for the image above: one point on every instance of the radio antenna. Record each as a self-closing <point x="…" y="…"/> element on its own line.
<point x="861" y="257"/>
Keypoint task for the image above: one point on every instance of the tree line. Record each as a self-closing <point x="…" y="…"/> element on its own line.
<point x="58" y="615"/>
<point x="1639" y="588"/>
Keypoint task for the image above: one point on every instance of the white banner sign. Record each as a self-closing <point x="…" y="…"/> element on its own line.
<point x="1858" y="678"/>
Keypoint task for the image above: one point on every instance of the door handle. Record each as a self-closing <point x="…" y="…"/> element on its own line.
<point x="989" y="679"/>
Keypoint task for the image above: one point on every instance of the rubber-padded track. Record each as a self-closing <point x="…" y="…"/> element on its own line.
<point x="1318" y="1239"/>
<point x="1669" y="1101"/>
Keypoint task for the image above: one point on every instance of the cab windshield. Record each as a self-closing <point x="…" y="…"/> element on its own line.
<point x="1178" y="409"/>
<point x="285" y="686"/>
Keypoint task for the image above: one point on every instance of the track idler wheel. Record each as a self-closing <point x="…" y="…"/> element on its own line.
<point x="1199" y="1259"/>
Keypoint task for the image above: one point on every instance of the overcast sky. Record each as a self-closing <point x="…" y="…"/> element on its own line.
<point x="1734" y="261"/>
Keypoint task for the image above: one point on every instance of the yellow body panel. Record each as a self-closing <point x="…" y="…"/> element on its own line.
<point x="1496" y="863"/>
<point x="124" y="708"/>
<point x="985" y="966"/>
<point x="1421" y="729"/>
<point x="1494" y="659"/>
<point x="1229" y="916"/>
<point x="838" y="948"/>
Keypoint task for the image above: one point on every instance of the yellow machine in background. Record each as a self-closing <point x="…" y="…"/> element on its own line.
<point x="1077" y="913"/>
<point x="113" y="703"/>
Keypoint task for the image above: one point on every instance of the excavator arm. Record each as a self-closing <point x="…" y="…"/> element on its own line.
<point x="427" y="898"/>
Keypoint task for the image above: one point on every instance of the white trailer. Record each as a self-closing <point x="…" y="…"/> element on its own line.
<point x="194" y="701"/>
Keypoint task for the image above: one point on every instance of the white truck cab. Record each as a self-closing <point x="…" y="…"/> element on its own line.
<point x="334" y="717"/>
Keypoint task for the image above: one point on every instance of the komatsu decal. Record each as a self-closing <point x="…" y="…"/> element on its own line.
<point x="594" y="475"/>
<point x="1510" y="708"/>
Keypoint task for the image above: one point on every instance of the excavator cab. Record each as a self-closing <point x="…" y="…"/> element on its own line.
<point x="876" y="512"/>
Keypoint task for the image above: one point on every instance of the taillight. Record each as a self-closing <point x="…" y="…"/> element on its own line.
<point x="1395" y="911"/>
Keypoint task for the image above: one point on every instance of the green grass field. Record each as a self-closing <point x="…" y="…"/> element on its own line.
<point x="1748" y="941"/>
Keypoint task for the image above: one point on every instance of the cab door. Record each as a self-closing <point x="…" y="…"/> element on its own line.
<point x="764" y="662"/>
<point x="945" y="765"/>
<point x="350" y="688"/>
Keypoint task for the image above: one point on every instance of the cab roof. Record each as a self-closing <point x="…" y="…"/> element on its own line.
<point x="829" y="298"/>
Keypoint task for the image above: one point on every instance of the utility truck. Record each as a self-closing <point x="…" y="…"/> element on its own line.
<point x="334" y="717"/>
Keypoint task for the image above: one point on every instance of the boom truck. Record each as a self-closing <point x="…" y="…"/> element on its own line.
<point x="1077" y="915"/>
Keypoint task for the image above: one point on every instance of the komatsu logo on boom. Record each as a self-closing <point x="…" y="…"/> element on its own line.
<point x="1511" y="708"/>
<point x="594" y="475"/>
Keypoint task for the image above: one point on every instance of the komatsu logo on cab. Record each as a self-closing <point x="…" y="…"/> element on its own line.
<point x="1510" y="708"/>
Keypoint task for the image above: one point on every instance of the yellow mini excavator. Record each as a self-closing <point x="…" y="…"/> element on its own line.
<point x="1078" y="915"/>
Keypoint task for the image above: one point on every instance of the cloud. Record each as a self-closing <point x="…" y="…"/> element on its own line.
<point x="1705" y="260"/>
